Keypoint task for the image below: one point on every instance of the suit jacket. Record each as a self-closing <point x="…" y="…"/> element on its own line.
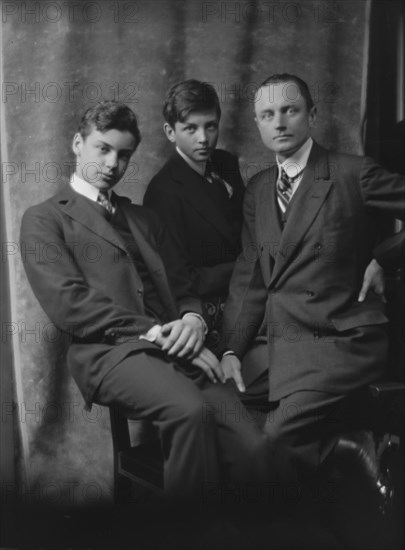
<point x="83" y="275"/>
<point x="206" y="241"/>
<point x="296" y="287"/>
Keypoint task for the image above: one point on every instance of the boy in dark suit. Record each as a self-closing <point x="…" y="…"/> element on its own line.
<point x="133" y="344"/>
<point x="198" y="193"/>
<point x="293" y="317"/>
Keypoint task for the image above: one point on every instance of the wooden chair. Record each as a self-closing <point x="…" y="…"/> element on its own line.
<point x="138" y="466"/>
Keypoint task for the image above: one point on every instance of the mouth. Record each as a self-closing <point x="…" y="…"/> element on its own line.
<point x="108" y="177"/>
<point x="283" y="136"/>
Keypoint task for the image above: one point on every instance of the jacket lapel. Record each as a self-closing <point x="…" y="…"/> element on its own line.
<point x="193" y="193"/>
<point x="80" y="209"/>
<point x="268" y="219"/>
<point x="152" y="259"/>
<point x="304" y="207"/>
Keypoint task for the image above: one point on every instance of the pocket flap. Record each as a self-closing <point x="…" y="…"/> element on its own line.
<point x="359" y="319"/>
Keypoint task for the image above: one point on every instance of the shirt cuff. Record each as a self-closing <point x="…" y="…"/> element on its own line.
<point x="228" y="352"/>
<point x="201" y="319"/>
<point x="152" y="334"/>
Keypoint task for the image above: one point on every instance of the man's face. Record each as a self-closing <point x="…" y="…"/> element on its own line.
<point x="197" y="136"/>
<point x="282" y="118"/>
<point x="103" y="157"/>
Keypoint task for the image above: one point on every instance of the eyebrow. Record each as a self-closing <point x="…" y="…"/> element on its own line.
<point x="100" y="141"/>
<point x="212" y="121"/>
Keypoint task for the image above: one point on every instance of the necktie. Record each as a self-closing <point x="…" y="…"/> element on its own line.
<point x="105" y="201"/>
<point x="215" y="179"/>
<point x="284" y="188"/>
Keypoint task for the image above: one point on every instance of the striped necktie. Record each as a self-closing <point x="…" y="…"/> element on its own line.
<point x="103" y="199"/>
<point x="284" y="188"/>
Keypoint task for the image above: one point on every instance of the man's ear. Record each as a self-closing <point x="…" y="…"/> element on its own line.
<point x="312" y="116"/>
<point x="169" y="131"/>
<point x="77" y="144"/>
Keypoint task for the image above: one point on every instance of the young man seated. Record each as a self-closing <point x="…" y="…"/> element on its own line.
<point x="135" y="324"/>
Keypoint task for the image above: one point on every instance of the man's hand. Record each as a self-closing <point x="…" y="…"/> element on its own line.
<point x="181" y="338"/>
<point x="373" y="280"/>
<point x="232" y="369"/>
<point x="207" y="361"/>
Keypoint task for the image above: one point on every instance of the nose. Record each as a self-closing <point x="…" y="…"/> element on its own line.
<point x="111" y="160"/>
<point x="202" y="135"/>
<point x="279" y="121"/>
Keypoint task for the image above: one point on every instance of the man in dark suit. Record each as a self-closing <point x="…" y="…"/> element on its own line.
<point x="198" y="193"/>
<point x="297" y="337"/>
<point x="94" y="262"/>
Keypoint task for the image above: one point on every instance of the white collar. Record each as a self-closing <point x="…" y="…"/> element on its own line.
<point x="298" y="161"/>
<point x="198" y="167"/>
<point x="85" y="188"/>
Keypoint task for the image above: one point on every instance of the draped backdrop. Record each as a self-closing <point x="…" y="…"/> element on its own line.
<point x="61" y="56"/>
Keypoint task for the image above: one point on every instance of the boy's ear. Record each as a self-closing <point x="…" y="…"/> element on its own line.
<point x="77" y="144"/>
<point x="169" y="131"/>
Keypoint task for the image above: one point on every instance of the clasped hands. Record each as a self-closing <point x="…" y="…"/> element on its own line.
<point x="183" y="339"/>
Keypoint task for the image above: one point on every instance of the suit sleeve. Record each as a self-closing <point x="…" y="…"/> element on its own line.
<point x="245" y="307"/>
<point x="84" y="312"/>
<point x="390" y="253"/>
<point x="382" y="191"/>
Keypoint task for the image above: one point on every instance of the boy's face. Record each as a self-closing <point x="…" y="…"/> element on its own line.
<point x="197" y="136"/>
<point x="283" y="119"/>
<point x="103" y="157"/>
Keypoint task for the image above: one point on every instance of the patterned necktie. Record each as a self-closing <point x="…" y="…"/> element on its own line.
<point x="105" y="201"/>
<point x="284" y="188"/>
<point x="215" y="179"/>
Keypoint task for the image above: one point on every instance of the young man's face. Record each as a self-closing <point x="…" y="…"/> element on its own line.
<point x="283" y="119"/>
<point x="197" y="136"/>
<point x="102" y="157"/>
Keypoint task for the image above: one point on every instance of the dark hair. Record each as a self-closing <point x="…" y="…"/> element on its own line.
<point x="187" y="96"/>
<point x="109" y="115"/>
<point x="286" y="77"/>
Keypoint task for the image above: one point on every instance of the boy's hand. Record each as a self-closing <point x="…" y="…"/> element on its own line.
<point x="207" y="361"/>
<point x="231" y="367"/>
<point x="180" y="338"/>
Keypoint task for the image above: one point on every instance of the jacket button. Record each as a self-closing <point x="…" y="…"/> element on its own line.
<point x="310" y="293"/>
<point x="318" y="246"/>
<point x="139" y="292"/>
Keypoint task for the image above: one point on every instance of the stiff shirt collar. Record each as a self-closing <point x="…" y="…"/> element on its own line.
<point x="298" y="161"/>
<point x="84" y="188"/>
